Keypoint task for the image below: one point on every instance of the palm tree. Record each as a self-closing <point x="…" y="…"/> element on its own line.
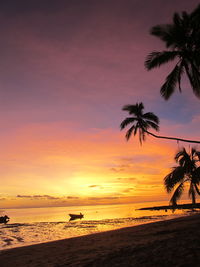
<point x="182" y="41"/>
<point x="187" y="171"/>
<point x="141" y="123"/>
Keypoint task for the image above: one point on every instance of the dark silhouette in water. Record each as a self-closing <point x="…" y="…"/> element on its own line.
<point x="190" y="207"/>
<point x="187" y="171"/>
<point x="75" y="216"/>
<point x="4" y="219"/>
<point x="141" y="123"/>
<point x="181" y="39"/>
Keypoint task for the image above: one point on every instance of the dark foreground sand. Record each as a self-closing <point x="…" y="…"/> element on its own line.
<point x="168" y="243"/>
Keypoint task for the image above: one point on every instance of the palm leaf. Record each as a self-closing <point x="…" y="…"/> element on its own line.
<point x="136" y="129"/>
<point x="151" y="116"/>
<point x="197" y="153"/>
<point x="126" y="122"/>
<point x="155" y="59"/>
<point x="129" y="132"/>
<point x="196" y="175"/>
<point x="177" y="20"/>
<point x="185" y="160"/>
<point x="177" y="194"/>
<point x="164" y="32"/>
<point x="133" y="109"/>
<point x="195" y="14"/>
<point x="180" y="154"/>
<point x="195" y="80"/>
<point x="153" y="125"/>
<point x="174" y="177"/>
<point x="193" y="153"/>
<point x="172" y="80"/>
<point x="142" y="136"/>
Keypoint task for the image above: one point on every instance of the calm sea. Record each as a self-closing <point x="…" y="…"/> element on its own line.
<point x="38" y="225"/>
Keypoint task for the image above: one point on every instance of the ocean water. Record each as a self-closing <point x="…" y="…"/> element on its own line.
<point x="38" y="225"/>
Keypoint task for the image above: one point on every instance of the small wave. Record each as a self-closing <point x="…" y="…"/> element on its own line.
<point x="80" y="226"/>
<point x="14" y="225"/>
<point x="8" y="241"/>
<point x="18" y="238"/>
<point x="150" y="217"/>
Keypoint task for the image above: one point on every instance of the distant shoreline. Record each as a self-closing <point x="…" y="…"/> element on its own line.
<point x="172" y="242"/>
<point x="170" y="207"/>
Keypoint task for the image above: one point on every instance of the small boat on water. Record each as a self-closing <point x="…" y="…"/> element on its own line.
<point x="76" y="216"/>
<point x="4" y="219"/>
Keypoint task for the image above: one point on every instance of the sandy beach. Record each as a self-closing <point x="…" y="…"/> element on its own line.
<point x="173" y="242"/>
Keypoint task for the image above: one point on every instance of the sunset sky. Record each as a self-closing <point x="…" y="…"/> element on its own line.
<point x="66" y="70"/>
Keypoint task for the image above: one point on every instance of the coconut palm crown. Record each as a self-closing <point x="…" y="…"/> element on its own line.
<point x="187" y="171"/>
<point x="141" y="122"/>
<point x="182" y="41"/>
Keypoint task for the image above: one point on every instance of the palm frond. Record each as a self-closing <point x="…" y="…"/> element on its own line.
<point x="126" y="122"/>
<point x="140" y="106"/>
<point x="193" y="152"/>
<point x="181" y="153"/>
<point x="172" y="80"/>
<point x="142" y="136"/>
<point x="196" y="175"/>
<point x="177" y="20"/>
<point x="165" y="33"/>
<point x="129" y="132"/>
<point x="133" y="109"/>
<point x="174" y="177"/>
<point x="185" y="160"/>
<point x="136" y="129"/>
<point x="177" y="194"/>
<point x="195" y="14"/>
<point x="181" y="71"/>
<point x="155" y="59"/>
<point x="153" y="125"/>
<point x="195" y="55"/>
<point x="151" y="116"/>
<point x="197" y="153"/>
<point x="195" y="73"/>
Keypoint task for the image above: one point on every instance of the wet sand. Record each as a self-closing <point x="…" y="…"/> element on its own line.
<point x="167" y="243"/>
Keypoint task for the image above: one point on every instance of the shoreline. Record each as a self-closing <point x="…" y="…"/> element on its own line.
<point x="136" y="221"/>
<point x="191" y="207"/>
<point x="164" y="243"/>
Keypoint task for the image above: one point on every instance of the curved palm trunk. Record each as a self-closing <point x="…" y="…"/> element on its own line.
<point x="193" y="199"/>
<point x="172" y="138"/>
<point x="197" y="189"/>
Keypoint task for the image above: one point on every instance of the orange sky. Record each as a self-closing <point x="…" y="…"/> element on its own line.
<point x="44" y="166"/>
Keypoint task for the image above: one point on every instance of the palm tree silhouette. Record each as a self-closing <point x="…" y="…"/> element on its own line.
<point x="187" y="171"/>
<point x="182" y="40"/>
<point x="141" y="123"/>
